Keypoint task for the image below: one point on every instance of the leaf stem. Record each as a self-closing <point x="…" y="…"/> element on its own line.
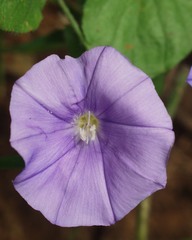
<point x="73" y="22"/>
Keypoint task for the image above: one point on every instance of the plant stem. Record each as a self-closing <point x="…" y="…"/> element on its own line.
<point x="177" y="92"/>
<point x="73" y="22"/>
<point x="143" y="219"/>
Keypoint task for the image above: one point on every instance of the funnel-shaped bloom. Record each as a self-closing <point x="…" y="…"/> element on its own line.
<point x="189" y="78"/>
<point x="94" y="135"/>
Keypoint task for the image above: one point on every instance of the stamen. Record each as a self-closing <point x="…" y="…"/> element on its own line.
<point x="87" y="126"/>
<point x="89" y="114"/>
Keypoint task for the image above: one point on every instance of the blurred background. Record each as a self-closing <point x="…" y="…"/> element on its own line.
<point x="171" y="208"/>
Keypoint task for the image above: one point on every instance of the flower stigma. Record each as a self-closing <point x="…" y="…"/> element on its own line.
<point x="87" y="126"/>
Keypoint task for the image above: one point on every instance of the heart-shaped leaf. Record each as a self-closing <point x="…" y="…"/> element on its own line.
<point x="20" y="15"/>
<point x="155" y="35"/>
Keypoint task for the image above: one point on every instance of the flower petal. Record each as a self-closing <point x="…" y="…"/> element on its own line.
<point x="112" y="77"/>
<point x="29" y="118"/>
<point x="126" y="188"/>
<point x="189" y="78"/>
<point x="33" y="128"/>
<point x="73" y="189"/>
<point x="140" y="107"/>
<point x="144" y="150"/>
<point x="53" y="84"/>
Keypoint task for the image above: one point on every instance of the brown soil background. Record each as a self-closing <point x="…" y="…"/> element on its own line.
<point x="171" y="208"/>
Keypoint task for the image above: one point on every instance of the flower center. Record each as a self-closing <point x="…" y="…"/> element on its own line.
<point x="87" y="126"/>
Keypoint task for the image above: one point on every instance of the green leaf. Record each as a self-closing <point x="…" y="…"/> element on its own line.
<point x="155" y="35"/>
<point x="20" y="15"/>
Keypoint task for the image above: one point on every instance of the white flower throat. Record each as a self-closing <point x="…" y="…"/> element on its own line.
<point x="87" y="126"/>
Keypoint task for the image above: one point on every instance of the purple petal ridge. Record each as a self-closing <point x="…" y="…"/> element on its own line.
<point x="73" y="183"/>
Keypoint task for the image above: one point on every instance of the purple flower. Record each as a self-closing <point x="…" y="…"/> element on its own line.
<point x="94" y="135"/>
<point x="189" y="78"/>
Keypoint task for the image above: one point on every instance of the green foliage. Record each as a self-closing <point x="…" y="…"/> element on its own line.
<point x="20" y="15"/>
<point x="154" y="34"/>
